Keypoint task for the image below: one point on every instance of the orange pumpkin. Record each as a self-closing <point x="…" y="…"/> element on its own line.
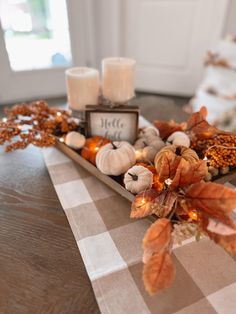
<point x="92" y="146"/>
<point x="175" y="154"/>
<point x="170" y="157"/>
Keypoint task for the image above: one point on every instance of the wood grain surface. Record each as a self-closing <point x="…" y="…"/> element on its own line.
<point x="41" y="270"/>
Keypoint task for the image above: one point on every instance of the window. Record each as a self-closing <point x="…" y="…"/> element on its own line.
<point x="36" y="33"/>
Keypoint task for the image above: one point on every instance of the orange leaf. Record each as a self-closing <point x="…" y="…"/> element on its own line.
<point x="227" y="242"/>
<point x="215" y="199"/>
<point x="168" y="166"/>
<point x="189" y="173"/>
<point x="197" y="118"/>
<point x="142" y="204"/>
<point x="158" y="273"/>
<point x="163" y="203"/>
<point x="166" y="128"/>
<point x="199" y="129"/>
<point x="158" y="236"/>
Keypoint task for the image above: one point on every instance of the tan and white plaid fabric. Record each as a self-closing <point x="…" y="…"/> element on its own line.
<point x="110" y="245"/>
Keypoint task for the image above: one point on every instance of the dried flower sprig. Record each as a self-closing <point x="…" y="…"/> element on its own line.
<point x="216" y="145"/>
<point x="35" y="123"/>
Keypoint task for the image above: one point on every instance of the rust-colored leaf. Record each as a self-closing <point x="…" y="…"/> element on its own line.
<point x="197" y="118"/>
<point x="158" y="236"/>
<point x="166" y="128"/>
<point x="227" y="242"/>
<point x="199" y="129"/>
<point x="163" y="203"/>
<point x="142" y="204"/>
<point x="168" y="166"/>
<point x="218" y="227"/>
<point x="147" y="254"/>
<point x="214" y="199"/>
<point x="158" y="273"/>
<point x="188" y="173"/>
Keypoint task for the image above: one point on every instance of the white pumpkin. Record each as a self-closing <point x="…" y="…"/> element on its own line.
<point x="156" y="142"/>
<point x="140" y="143"/>
<point x="75" y="140"/>
<point x="147" y="147"/>
<point x="179" y="138"/>
<point x="115" y="158"/>
<point x="149" y="130"/>
<point x="138" y="179"/>
<point x="149" y="153"/>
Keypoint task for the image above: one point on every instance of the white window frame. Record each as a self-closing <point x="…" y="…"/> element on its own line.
<point x="45" y="83"/>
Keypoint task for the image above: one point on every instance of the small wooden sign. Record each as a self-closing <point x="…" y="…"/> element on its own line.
<point x="117" y="124"/>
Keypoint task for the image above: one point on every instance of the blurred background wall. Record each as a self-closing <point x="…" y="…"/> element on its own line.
<point x="39" y="39"/>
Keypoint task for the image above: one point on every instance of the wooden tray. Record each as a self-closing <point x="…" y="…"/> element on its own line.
<point x="116" y="186"/>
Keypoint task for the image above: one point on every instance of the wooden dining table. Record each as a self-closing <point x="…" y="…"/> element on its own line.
<point x="41" y="269"/>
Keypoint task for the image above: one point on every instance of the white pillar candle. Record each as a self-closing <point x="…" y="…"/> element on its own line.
<point x="82" y="87"/>
<point x="118" y="79"/>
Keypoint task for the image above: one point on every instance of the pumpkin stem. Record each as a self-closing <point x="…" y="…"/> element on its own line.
<point x="178" y="151"/>
<point x="113" y="145"/>
<point x="134" y="176"/>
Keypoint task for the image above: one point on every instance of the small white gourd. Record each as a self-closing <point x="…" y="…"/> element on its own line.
<point x="149" y="130"/>
<point x="149" y="153"/>
<point x="75" y="140"/>
<point x="179" y="138"/>
<point x="115" y="158"/>
<point x="157" y="143"/>
<point x="138" y="179"/>
<point x="140" y="143"/>
<point x="148" y="146"/>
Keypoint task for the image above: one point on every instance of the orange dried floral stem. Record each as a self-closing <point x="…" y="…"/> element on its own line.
<point x="43" y="123"/>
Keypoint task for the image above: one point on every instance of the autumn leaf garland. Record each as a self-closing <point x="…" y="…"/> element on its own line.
<point x="187" y="201"/>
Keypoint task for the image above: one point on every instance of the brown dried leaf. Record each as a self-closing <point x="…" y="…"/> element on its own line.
<point x="142" y="204"/>
<point x="199" y="129"/>
<point x="216" y="226"/>
<point x="166" y="128"/>
<point x="163" y="203"/>
<point x="158" y="273"/>
<point x="189" y="173"/>
<point x="158" y="236"/>
<point x="196" y="118"/>
<point x="228" y="242"/>
<point x="214" y="199"/>
<point x="167" y="167"/>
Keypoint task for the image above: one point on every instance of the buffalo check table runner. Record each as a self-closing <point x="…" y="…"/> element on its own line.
<point x="110" y="245"/>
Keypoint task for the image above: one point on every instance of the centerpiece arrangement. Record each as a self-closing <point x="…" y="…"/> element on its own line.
<point x="166" y="169"/>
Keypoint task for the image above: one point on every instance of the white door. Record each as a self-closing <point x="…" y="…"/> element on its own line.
<point x="38" y="40"/>
<point x="169" y="39"/>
